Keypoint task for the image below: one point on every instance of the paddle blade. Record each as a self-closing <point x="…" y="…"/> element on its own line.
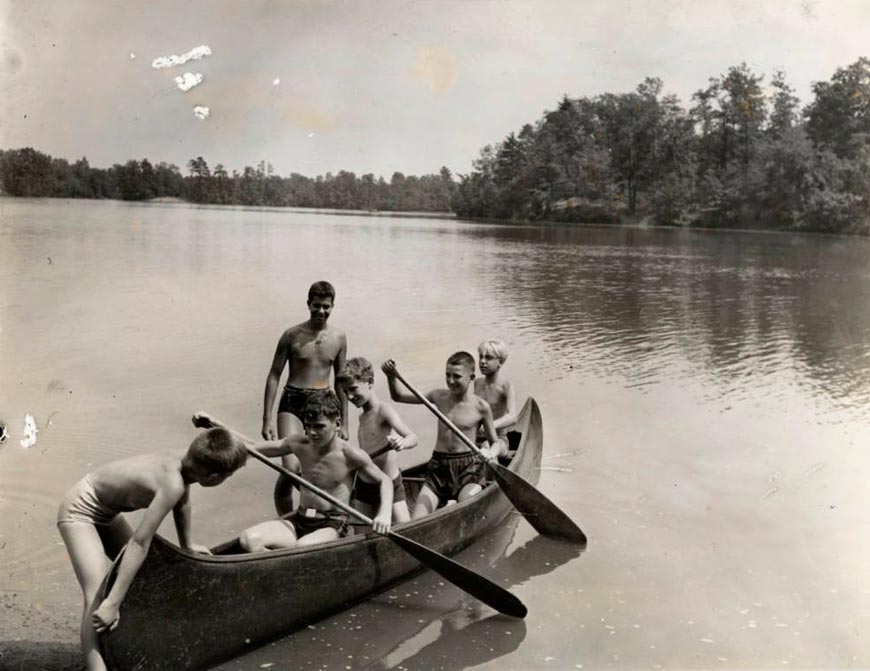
<point x="541" y="513"/>
<point x="475" y="584"/>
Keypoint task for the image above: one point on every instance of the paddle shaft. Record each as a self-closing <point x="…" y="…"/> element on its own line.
<point x="302" y="482"/>
<point x="377" y="453"/>
<point x="440" y="415"/>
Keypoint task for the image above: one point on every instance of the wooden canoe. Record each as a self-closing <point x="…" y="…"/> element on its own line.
<point x="186" y="611"/>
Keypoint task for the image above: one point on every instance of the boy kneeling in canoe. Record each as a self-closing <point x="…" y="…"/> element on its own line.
<point x="454" y="472"/>
<point x="381" y="430"/>
<point x="94" y="531"/>
<point x="326" y="461"/>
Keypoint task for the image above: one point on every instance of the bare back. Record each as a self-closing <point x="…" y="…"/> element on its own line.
<point x="310" y="354"/>
<point x="131" y="484"/>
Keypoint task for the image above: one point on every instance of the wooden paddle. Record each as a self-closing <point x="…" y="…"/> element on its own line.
<point x="542" y="514"/>
<point x="475" y="584"/>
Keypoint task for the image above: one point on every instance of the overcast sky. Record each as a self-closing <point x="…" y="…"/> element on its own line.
<point x="316" y="87"/>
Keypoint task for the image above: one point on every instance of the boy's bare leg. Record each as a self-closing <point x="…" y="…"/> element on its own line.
<point x="320" y="536"/>
<point x="288" y="425"/>
<point x="468" y="491"/>
<point x="401" y="513"/>
<point x="90" y="564"/>
<point x="425" y="504"/>
<point x="115" y="536"/>
<point x="272" y="535"/>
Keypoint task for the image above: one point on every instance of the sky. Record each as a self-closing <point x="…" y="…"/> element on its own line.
<point x="372" y="86"/>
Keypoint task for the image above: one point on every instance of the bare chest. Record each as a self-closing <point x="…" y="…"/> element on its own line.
<point x="466" y="415"/>
<point x="491" y="393"/>
<point x="319" y="348"/>
<point x="327" y="471"/>
<point x="372" y="433"/>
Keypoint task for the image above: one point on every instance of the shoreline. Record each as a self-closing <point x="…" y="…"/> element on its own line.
<point x="639" y="223"/>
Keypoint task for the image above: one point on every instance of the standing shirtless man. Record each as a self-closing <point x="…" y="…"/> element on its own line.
<point x="309" y="350"/>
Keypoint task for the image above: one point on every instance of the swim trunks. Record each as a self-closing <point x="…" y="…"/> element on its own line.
<point x="370" y="492"/>
<point x="448" y="473"/>
<point x="294" y="398"/>
<point x="81" y="504"/>
<point x="308" y="520"/>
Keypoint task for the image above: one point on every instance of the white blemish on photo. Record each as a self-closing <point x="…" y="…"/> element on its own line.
<point x="132" y="56"/>
<point x="201" y="112"/>
<point x="171" y="61"/>
<point x="188" y="80"/>
<point x="276" y="81"/>
<point x="30" y="432"/>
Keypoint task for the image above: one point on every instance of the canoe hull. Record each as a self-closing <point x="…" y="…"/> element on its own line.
<point x="190" y="612"/>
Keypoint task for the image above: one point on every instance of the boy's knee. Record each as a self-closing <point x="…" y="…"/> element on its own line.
<point x="468" y="491"/>
<point x="252" y="540"/>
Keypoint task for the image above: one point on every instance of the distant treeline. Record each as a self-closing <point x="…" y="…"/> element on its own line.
<point x="28" y="172"/>
<point x="743" y="155"/>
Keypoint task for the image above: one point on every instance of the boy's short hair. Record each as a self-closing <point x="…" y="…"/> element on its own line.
<point x="356" y="369"/>
<point x="217" y="451"/>
<point x="461" y="359"/>
<point x="321" y="289"/>
<point x="322" y="403"/>
<point x="495" y="348"/>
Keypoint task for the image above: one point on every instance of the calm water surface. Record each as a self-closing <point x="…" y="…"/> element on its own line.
<point x="706" y="403"/>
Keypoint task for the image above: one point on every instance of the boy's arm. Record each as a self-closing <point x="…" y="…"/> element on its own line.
<point x="407" y="439"/>
<point x="268" y="448"/>
<point x="398" y="395"/>
<point x="359" y="460"/>
<point x="488" y="424"/>
<point x="272" y="380"/>
<point x="337" y="365"/>
<point x="181" y="515"/>
<point x="106" y="617"/>
<point x="509" y="418"/>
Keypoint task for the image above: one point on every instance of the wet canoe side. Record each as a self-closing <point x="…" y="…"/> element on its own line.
<point x="189" y="612"/>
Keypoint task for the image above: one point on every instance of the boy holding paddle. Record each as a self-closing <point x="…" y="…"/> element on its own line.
<point x="329" y="463"/>
<point x="381" y="434"/>
<point x="454" y="472"/>
<point x="94" y="531"/>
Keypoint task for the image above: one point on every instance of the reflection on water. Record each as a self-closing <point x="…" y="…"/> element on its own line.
<point x="705" y="396"/>
<point x="427" y="623"/>
<point x="742" y="311"/>
<point x="480" y="640"/>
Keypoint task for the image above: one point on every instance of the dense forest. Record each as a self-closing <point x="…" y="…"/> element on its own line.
<point x="745" y="154"/>
<point x="28" y="172"/>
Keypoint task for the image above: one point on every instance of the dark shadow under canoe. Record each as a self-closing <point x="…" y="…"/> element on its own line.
<point x="186" y="612"/>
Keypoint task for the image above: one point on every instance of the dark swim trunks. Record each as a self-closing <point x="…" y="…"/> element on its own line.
<point x="448" y="473"/>
<point x="308" y="520"/>
<point x="370" y="492"/>
<point x="293" y="399"/>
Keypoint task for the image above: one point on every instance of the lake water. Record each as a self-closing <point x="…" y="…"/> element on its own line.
<point x="706" y="404"/>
